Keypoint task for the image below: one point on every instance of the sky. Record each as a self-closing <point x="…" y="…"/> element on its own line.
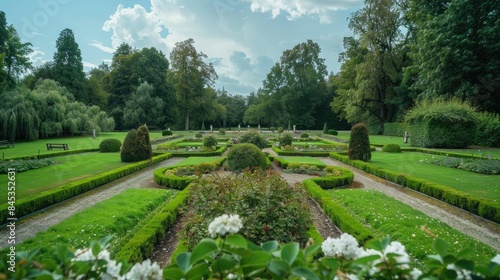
<point x="243" y="39"/>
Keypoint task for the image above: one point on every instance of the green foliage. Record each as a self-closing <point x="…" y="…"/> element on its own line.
<point x="442" y="123"/>
<point x="325" y="129"/>
<point x="253" y="137"/>
<point x="198" y="135"/>
<point x="144" y="107"/>
<point x="391" y="148"/>
<point x="110" y="146"/>
<point x="304" y="135"/>
<point x="395" y="129"/>
<point x="332" y="132"/>
<point x="488" y="130"/>
<point x="271" y="209"/>
<point x="245" y="155"/>
<point x="137" y="145"/>
<point x="166" y="132"/>
<point x="359" y="143"/>
<point x="483" y="166"/>
<point x="280" y="129"/>
<point x="286" y="139"/>
<point x="222" y="131"/>
<point x="209" y="141"/>
<point x="24" y="165"/>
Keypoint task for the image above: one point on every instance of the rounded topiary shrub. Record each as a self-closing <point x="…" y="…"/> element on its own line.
<point x="166" y="132"/>
<point x="391" y="148"/>
<point x="222" y="131"/>
<point x="359" y="143"/>
<point x="209" y="141"/>
<point x="198" y="135"/>
<point x="110" y="146"/>
<point x="137" y="145"/>
<point x="253" y="137"/>
<point x="304" y="135"/>
<point x="333" y="132"/>
<point x="245" y="155"/>
<point x="280" y="129"/>
<point x="286" y="139"/>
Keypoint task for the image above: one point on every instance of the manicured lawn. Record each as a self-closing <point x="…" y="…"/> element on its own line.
<point x="116" y="216"/>
<point x="189" y="144"/>
<point x="70" y="168"/>
<point x="414" y="164"/>
<point x="378" y="139"/>
<point x="34" y="148"/>
<point x="304" y="160"/>
<point x="389" y="217"/>
<point x="307" y="143"/>
<point x="196" y="161"/>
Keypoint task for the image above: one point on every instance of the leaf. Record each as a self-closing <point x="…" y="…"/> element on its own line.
<point x="440" y="246"/>
<point x="198" y="271"/>
<point x="270" y="246"/>
<point x="204" y="249"/>
<point x="172" y="273"/>
<point x="224" y="263"/>
<point x="311" y="250"/>
<point x="183" y="260"/>
<point x="279" y="267"/>
<point x="290" y="252"/>
<point x="305" y="273"/>
<point x="236" y="240"/>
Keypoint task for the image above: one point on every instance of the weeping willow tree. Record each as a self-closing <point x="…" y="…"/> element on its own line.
<point x="18" y="116"/>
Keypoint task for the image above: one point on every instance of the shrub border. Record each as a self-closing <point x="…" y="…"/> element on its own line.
<point x="56" y="154"/>
<point x="26" y="206"/>
<point x="479" y="206"/>
<point x="295" y="153"/>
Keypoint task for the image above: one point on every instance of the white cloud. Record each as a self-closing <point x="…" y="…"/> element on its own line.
<point x="87" y="64"/>
<point x="135" y="26"/>
<point x="299" y="8"/>
<point x="37" y="58"/>
<point x="102" y="47"/>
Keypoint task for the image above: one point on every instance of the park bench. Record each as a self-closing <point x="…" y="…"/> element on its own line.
<point x="50" y="146"/>
<point x="6" y="143"/>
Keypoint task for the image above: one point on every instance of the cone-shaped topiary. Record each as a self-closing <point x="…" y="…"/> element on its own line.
<point x="245" y="155"/>
<point x="137" y="145"/>
<point x="359" y="143"/>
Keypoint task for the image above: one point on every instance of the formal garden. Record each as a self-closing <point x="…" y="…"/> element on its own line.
<point x="240" y="218"/>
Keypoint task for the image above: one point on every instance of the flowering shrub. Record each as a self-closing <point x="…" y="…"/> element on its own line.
<point x="88" y="263"/>
<point x="231" y="256"/>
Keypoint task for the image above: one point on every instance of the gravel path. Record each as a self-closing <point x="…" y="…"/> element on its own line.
<point x="472" y="225"/>
<point x="40" y="221"/>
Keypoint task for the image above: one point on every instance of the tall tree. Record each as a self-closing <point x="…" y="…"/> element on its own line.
<point x="16" y="58"/>
<point x="295" y="86"/>
<point x="68" y="66"/>
<point x="374" y="60"/>
<point x="465" y="36"/>
<point x="144" y="108"/>
<point x="190" y="75"/>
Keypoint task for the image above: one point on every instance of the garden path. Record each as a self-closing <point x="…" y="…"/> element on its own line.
<point x="29" y="226"/>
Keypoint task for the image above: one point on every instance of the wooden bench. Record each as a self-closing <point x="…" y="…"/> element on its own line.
<point x="6" y="143"/>
<point x="50" y="146"/>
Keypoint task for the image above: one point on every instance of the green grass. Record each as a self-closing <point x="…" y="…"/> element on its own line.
<point x="303" y="160"/>
<point x="196" y="160"/>
<point x="116" y="216"/>
<point x="36" y="147"/>
<point x="389" y="217"/>
<point x="189" y="144"/>
<point x="414" y="164"/>
<point x="71" y="168"/>
<point x="307" y="143"/>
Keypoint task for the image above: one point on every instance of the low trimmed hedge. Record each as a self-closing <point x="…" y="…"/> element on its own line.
<point x="487" y="209"/>
<point x="296" y="153"/>
<point x="283" y="163"/>
<point x="176" y="182"/>
<point x="217" y="152"/>
<point x="337" y="213"/>
<point x="25" y="206"/>
<point x="56" y="154"/>
<point x="140" y="246"/>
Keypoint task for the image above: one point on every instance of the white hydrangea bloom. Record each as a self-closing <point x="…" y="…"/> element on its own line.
<point x="113" y="269"/>
<point x="462" y="274"/>
<point x="415" y="273"/>
<point x="496" y="259"/>
<point x="345" y="246"/>
<point x="145" y="271"/>
<point x="225" y="224"/>
<point x="397" y="248"/>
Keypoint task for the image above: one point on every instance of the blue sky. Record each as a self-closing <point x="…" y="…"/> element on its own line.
<point x="242" y="38"/>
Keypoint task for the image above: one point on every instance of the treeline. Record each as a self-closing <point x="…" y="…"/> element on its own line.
<point x="402" y="52"/>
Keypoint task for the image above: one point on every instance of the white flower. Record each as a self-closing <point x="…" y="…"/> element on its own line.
<point x="145" y="270"/>
<point x="225" y="224"/>
<point x="113" y="269"/>
<point x="415" y="273"/>
<point x="496" y="259"/>
<point x="346" y="246"/>
<point x="396" y="247"/>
